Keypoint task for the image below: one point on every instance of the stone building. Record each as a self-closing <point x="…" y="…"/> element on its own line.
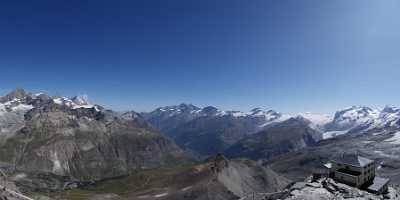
<point x="357" y="171"/>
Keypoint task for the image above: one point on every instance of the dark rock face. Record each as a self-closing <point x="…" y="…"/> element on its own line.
<point x="206" y="136"/>
<point x="85" y="143"/>
<point x="290" y="135"/>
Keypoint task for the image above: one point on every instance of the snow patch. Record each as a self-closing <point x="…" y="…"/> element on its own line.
<point x="22" y="107"/>
<point x="186" y="188"/>
<point x="76" y="103"/>
<point x="395" y="139"/>
<point x="282" y="118"/>
<point x="58" y="101"/>
<point x="328" y="165"/>
<point x="331" y="134"/>
<point x="56" y="163"/>
<point x="161" y="195"/>
<point x="20" y="176"/>
<point x="87" y="146"/>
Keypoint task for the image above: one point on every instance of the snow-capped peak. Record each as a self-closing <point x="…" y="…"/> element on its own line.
<point x="15" y="101"/>
<point x="130" y="115"/>
<point x="360" y="117"/>
<point x="75" y="102"/>
<point x="17" y="94"/>
<point x="14" y="105"/>
<point x="391" y="109"/>
<point x="356" y="115"/>
<point x="209" y="110"/>
<point x="177" y="109"/>
<point x="268" y="114"/>
<point x="256" y="112"/>
<point x="233" y="113"/>
<point x="389" y="116"/>
<point x="81" y="100"/>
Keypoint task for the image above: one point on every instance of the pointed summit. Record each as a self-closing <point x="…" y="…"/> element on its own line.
<point x="256" y="110"/>
<point x="187" y="107"/>
<point x="18" y="93"/>
<point x="210" y="110"/>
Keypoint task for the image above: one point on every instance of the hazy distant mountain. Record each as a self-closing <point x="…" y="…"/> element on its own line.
<point x="352" y="117"/>
<point x="360" y="119"/>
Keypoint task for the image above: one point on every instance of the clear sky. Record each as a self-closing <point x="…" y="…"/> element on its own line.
<point x="289" y="55"/>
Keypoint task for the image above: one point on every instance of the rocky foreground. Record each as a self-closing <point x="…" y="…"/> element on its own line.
<point x="215" y="179"/>
<point x="328" y="189"/>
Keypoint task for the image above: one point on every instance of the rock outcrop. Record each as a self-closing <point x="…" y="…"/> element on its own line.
<point x="328" y="189"/>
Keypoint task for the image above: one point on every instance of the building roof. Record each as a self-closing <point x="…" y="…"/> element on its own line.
<point x="353" y="159"/>
<point x="320" y="171"/>
<point x="378" y="183"/>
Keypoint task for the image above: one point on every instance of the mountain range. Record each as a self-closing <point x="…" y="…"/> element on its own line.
<point x="200" y="132"/>
<point x="209" y="130"/>
<point x="55" y="143"/>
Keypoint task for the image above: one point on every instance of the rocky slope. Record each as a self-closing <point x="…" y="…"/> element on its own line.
<point x="207" y="136"/>
<point x="71" y="137"/>
<point x="215" y="179"/>
<point x="290" y="135"/>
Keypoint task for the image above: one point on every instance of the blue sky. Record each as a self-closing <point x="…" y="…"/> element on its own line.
<point x="292" y="56"/>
